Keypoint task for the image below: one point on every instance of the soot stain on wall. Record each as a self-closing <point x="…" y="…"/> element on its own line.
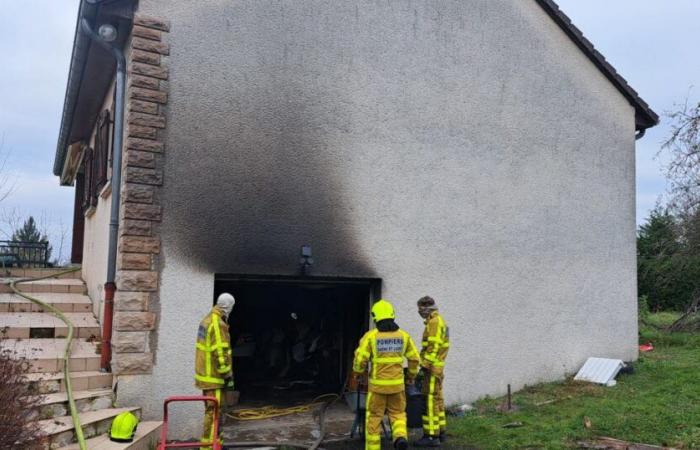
<point x="242" y="196"/>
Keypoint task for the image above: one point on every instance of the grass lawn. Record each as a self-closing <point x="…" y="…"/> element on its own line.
<point x="659" y="404"/>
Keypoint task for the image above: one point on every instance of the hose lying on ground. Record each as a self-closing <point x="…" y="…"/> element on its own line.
<point x="267" y="412"/>
<point x="66" y="353"/>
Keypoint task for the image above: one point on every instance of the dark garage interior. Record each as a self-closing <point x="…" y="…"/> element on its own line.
<point x="293" y="337"/>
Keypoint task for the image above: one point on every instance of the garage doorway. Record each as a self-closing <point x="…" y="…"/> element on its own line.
<point x="293" y="337"/>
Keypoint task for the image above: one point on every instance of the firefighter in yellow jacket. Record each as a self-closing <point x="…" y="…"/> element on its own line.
<point x="384" y="349"/>
<point x="213" y="371"/>
<point x="434" y="348"/>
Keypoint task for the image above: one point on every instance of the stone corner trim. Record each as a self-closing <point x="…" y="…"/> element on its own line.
<point x="141" y="211"/>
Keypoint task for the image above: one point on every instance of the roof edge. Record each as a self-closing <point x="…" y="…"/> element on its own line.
<point x="81" y="46"/>
<point x="82" y="43"/>
<point x="645" y="117"/>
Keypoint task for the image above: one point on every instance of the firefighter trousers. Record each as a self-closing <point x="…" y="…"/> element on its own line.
<point x="208" y="433"/>
<point x="394" y="405"/>
<point x="434" y="420"/>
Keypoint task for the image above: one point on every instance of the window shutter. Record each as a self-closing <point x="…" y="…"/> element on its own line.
<point x="102" y="149"/>
<point x="90" y="196"/>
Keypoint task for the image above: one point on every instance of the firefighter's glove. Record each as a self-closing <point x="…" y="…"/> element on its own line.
<point x="228" y="384"/>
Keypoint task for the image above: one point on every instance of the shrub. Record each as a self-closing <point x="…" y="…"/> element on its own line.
<point x="16" y="404"/>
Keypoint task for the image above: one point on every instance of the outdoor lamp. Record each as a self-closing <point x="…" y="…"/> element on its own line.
<point x="107" y="32"/>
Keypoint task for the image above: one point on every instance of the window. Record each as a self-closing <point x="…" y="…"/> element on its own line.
<point x="90" y="192"/>
<point x="97" y="161"/>
<point x="103" y="149"/>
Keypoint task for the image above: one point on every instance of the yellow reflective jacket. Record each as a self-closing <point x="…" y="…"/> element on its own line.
<point x="435" y="345"/>
<point x="385" y="352"/>
<point x="213" y="352"/>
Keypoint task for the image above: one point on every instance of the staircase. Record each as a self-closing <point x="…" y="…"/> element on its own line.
<point x="39" y="338"/>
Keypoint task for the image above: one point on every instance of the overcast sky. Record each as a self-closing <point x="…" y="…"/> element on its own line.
<point x="650" y="42"/>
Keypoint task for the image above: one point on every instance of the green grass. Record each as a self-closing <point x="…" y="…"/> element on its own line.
<point x="659" y="404"/>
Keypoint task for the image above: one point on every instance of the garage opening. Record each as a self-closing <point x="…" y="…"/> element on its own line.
<point x="293" y="337"/>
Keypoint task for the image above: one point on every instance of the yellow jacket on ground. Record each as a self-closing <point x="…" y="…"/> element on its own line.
<point x="385" y="353"/>
<point x="435" y="345"/>
<point x="213" y="352"/>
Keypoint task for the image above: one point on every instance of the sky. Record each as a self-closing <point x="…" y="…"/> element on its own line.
<point x="651" y="43"/>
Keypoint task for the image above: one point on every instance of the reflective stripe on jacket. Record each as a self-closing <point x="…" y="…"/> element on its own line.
<point x="435" y="345"/>
<point x="385" y="352"/>
<point x="213" y="352"/>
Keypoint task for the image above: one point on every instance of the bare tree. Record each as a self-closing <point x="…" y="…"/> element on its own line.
<point x="10" y="220"/>
<point x="7" y="185"/>
<point x="62" y="231"/>
<point x="683" y="172"/>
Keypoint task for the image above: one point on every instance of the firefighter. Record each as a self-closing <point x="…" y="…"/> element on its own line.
<point x="434" y="347"/>
<point x="385" y="348"/>
<point x="213" y="371"/>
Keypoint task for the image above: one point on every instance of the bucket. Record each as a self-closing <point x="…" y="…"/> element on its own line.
<point x="415" y="408"/>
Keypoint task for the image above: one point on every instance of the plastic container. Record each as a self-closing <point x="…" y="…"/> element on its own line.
<point x="351" y="400"/>
<point x="415" y="408"/>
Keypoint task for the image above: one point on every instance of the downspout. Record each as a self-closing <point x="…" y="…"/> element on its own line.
<point x="110" y="285"/>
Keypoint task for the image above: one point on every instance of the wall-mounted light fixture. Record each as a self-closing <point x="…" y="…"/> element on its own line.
<point x="306" y="260"/>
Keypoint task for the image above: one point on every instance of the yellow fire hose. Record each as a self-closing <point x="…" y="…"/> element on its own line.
<point x="66" y="354"/>
<point x="268" y="412"/>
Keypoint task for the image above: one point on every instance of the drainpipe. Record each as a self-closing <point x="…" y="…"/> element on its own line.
<point x="110" y="286"/>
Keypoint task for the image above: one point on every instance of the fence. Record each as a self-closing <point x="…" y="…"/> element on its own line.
<point x="24" y="254"/>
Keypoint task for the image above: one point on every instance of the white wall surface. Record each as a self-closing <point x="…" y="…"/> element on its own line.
<point x="462" y="149"/>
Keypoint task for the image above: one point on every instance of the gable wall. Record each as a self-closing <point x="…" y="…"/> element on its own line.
<point x="462" y="149"/>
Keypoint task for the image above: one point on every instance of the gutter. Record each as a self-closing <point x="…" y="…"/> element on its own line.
<point x="110" y="285"/>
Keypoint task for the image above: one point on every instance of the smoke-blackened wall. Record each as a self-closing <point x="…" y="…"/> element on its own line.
<point x="257" y="173"/>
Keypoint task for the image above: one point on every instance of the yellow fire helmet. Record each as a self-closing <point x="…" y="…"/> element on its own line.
<point x="382" y="310"/>
<point x="123" y="427"/>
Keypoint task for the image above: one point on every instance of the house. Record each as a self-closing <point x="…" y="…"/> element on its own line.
<point x="310" y="156"/>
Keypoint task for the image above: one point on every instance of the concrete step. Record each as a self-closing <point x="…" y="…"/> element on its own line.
<point x="146" y="438"/>
<point x="46" y="355"/>
<point x="56" y="286"/>
<point x="56" y="405"/>
<point x="62" y="302"/>
<point x="52" y="382"/>
<point x="16" y="325"/>
<point x="60" y="431"/>
<point x="18" y="272"/>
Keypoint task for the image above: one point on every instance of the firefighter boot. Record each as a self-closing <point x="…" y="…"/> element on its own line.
<point x="401" y="444"/>
<point x="427" y="441"/>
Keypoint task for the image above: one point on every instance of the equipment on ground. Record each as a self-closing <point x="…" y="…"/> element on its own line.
<point x="123" y="427"/>
<point x="268" y="412"/>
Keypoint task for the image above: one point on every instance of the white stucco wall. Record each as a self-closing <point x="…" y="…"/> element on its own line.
<point x="94" y="266"/>
<point x="96" y="237"/>
<point x="462" y="149"/>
